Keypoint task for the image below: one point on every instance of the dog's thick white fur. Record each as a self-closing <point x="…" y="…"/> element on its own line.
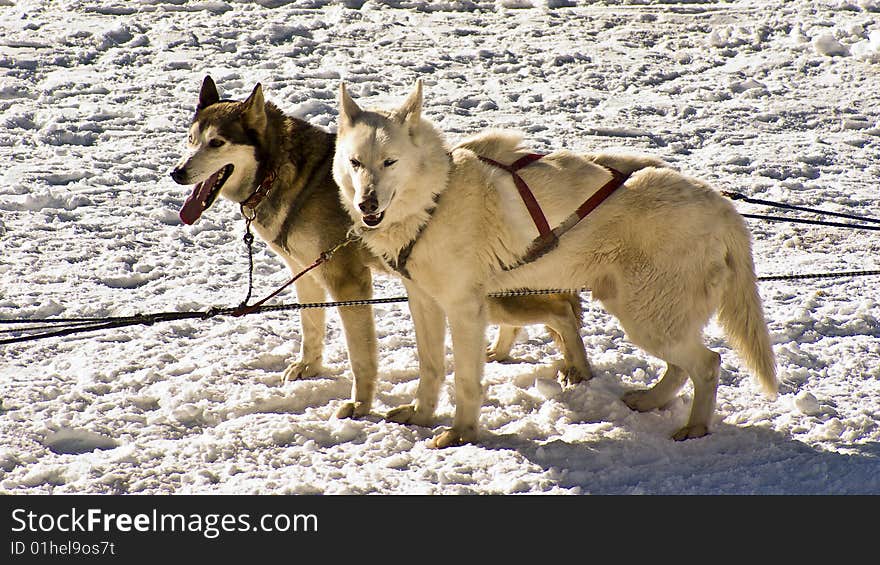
<point x="663" y="253"/>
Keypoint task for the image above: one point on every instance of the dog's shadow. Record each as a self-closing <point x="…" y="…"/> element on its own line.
<point x="638" y="455"/>
<point x="731" y="460"/>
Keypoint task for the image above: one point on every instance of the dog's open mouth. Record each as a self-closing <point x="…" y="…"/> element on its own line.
<point x="373" y="220"/>
<point x="203" y="195"/>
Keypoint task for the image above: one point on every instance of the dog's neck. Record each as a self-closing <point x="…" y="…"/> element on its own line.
<point x="249" y="206"/>
<point x="398" y="262"/>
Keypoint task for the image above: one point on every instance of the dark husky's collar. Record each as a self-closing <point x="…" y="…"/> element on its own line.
<point x="399" y="263"/>
<point x="251" y="202"/>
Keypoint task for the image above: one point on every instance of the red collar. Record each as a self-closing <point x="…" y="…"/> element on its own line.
<point x="261" y="192"/>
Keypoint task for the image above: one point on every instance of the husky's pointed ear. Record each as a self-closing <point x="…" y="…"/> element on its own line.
<point x="255" y="109"/>
<point x="348" y="108"/>
<point x="208" y="94"/>
<point x="411" y="110"/>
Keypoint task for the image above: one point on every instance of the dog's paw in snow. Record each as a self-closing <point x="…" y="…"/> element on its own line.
<point x="409" y="414"/>
<point x="499" y="350"/>
<point x="353" y="409"/>
<point x="495" y="354"/>
<point x="691" y="432"/>
<point x="453" y="438"/>
<point x="572" y="375"/>
<point x="641" y="400"/>
<point x="301" y="370"/>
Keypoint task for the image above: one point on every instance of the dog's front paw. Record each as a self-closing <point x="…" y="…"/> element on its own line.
<point x="409" y="414"/>
<point x="301" y="370"/>
<point x="691" y="432"/>
<point x="452" y="438"/>
<point x="352" y="409"/>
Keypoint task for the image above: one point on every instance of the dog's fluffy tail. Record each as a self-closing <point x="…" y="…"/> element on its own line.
<point x="741" y="314"/>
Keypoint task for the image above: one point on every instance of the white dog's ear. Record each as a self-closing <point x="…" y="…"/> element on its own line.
<point x="255" y="109"/>
<point x="411" y="111"/>
<point x="208" y="94"/>
<point x="348" y="108"/>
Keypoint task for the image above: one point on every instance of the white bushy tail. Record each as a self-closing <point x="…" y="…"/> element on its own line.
<point x="742" y="316"/>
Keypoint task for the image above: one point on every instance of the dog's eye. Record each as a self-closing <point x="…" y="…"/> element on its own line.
<point x="388" y="162"/>
<point x="355" y="164"/>
<point x="216" y="143"/>
<point x="191" y="139"/>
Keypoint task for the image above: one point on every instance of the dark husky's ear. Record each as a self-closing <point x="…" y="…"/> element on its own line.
<point x="348" y="108"/>
<point x="255" y="109"/>
<point x="410" y="113"/>
<point x="208" y="95"/>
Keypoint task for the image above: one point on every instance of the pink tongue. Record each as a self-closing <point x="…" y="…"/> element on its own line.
<point x="196" y="202"/>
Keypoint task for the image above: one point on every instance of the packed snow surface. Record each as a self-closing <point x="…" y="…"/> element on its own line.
<point x="778" y="100"/>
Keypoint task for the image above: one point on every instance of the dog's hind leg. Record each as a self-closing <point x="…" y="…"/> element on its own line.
<point x="674" y="334"/>
<point x="660" y="394"/>
<point x="560" y="313"/>
<point x="430" y="326"/>
<point x="500" y="348"/>
<point x="703" y="366"/>
<point x="313" y="327"/>
<point x="564" y="327"/>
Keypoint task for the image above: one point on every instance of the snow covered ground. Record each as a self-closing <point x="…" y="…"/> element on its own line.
<point x="776" y="99"/>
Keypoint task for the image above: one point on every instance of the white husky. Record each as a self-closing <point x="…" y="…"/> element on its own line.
<point x="663" y="253"/>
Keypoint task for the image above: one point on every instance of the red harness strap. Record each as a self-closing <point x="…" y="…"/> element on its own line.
<point x="525" y="193"/>
<point x="549" y="238"/>
<point x="617" y="179"/>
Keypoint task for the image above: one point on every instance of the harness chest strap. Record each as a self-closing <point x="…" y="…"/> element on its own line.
<point x="549" y="238"/>
<point x="525" y="193"/>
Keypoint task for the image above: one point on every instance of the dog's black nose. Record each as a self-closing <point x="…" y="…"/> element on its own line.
<point x="178" y="175"/>
<point x="369" y="204"/>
